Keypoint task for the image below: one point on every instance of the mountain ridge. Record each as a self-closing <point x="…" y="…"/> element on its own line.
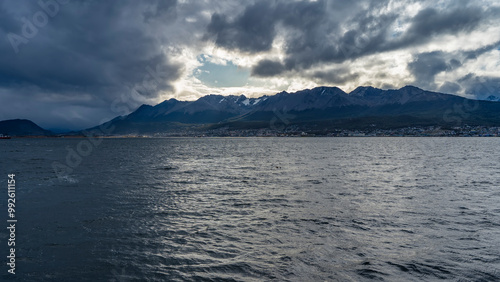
<point x="319" y="108"/>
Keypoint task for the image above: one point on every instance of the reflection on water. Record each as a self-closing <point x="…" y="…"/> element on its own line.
<point x="260" y="209"/>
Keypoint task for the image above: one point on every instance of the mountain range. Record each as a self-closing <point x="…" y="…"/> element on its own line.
<point x="320" y="109"/>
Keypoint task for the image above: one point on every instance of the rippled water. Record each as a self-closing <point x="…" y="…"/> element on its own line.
<point x="253" y="209"/>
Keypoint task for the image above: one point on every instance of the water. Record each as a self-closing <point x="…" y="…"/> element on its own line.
<point x="254" y="209"/>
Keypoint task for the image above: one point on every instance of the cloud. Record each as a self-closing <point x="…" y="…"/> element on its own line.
<point x="268" y="68"/>
<point x="311" y="31"/>
<point x="322" y="32"/>
<point x="335" y="77"/>
<point x="481" y="86"/>
<point x="161" y="10"/>
<point x="450" y="88"/>
<point x="425" y="67"/>
<point x="253" y="31"/>
<point x="91" y="48"/>
<point x="76" y="51"/>
<point x="431" y="22"/>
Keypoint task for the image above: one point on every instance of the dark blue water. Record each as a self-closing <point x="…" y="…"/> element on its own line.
<point x="254" y="209"/>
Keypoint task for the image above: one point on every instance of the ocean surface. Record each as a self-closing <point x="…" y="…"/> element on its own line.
<point x="254" y="209"/>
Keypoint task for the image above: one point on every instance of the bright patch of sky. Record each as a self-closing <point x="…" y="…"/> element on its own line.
<point x="220" y="75"/>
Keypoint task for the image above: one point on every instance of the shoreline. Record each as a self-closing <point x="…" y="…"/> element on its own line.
<point x="294" y="136"/>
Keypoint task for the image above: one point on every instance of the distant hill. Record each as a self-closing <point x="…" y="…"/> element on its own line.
<point x="321" y="108"/>
<point x="22" y="127"/>
<point x="492" y="98"/>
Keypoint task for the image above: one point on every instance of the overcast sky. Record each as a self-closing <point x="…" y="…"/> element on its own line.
<point x="74" y="64"/>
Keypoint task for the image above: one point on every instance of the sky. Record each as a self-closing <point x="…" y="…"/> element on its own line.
<point x="75" y="64"/>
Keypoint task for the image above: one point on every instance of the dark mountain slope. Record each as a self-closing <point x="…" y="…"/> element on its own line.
<point x="321" y="107"/>
<point x="22" y="127"/>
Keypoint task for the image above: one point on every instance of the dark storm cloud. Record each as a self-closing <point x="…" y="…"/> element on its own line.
<point x="315" y="36"/>
<point x="102" y="49"/>
<point x="425" y="67"/>
<point x="474" y="54"/>
<point x="253" y="31"/>
<point x="371" y="34"/>
<point x="480" y="86"/>
<point x="430" y="22"/>
<point x="322" y="32"/>
<point x="162" y="10"/>
<point x="74" y="50"/>
<point x="367" y="37"/>
<point x="268" y="68"/>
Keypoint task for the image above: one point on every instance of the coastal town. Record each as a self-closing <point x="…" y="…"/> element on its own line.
<point x="295" y="131"/>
